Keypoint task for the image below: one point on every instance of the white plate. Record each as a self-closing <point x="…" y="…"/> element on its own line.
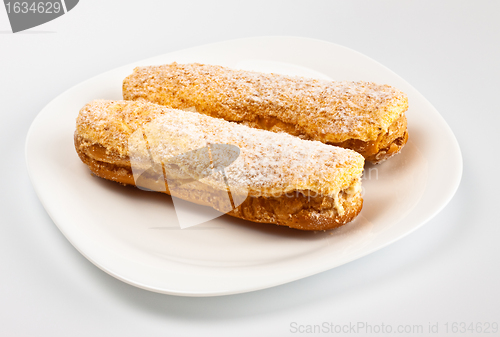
<point x="133" y="235"/>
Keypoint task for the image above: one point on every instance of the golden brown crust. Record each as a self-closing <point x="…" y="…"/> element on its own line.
<point x="362" y="116"/>
<point x="269" y="163"/>
<point x="295" y="210"/>
<point x="385" y="146"/>
<point x="305" y="200"/>
<point x="375" y="151"/>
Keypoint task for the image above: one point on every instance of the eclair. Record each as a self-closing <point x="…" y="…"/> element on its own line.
<point x="365" y="117"/>
<point x="245" y="172"/>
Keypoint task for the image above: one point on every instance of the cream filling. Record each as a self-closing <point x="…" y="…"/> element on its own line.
<point x="350" y="192"/>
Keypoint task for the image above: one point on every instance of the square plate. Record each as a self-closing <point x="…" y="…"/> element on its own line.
<point x="134" y="235"/>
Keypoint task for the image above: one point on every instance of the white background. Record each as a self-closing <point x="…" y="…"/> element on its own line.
<point x="447" y="271"/>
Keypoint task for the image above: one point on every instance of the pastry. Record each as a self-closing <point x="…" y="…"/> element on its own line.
<point x="366" y="117"/>
<point x="245" y="172"/>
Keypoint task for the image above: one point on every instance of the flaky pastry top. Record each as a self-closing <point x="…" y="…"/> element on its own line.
<point x="268" y="163"/>
<point x="328" y="111"/>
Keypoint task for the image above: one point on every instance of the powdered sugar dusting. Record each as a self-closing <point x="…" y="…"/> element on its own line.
<point x="268" y="162"/>
<point x="323" y="110"/>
